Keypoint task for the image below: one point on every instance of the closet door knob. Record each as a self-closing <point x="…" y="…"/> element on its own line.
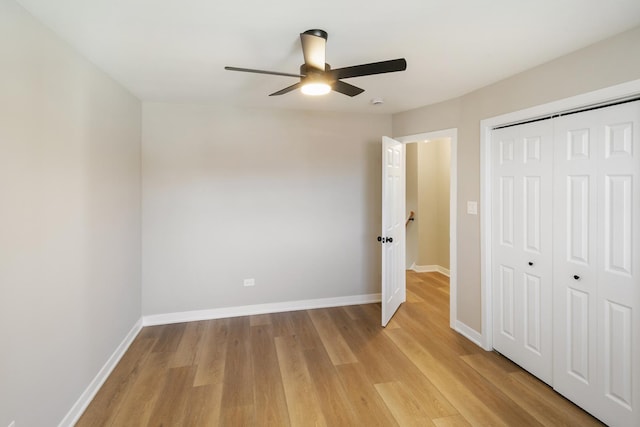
<point x="530" y="263"/>
<point x="576" y="277"/>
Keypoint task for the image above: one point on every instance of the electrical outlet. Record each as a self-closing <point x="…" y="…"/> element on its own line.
<point x="249" y="282"/>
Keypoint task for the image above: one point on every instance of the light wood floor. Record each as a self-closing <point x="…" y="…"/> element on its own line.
<point x="325" y="367"/>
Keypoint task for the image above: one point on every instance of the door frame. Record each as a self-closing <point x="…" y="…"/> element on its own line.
<point x="452" y="135"/>
<point x="599" y="96"/>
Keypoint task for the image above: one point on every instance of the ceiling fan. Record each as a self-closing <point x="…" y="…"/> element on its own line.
<point x="317" y="77"/>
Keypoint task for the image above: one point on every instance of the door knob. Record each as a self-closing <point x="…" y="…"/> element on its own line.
<point x="530" y="263"/>
<point x="389" y="239"/>
<point x="379" y="239"/>
<point x="576" y="277"/>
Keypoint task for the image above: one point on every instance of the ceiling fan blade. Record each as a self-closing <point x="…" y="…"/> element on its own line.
<point x="369" y="69"/>
<point x="251" y="70"/>
<point x="287" y="89"/>
<point x="346" y="88"/>
<point x="314" y="43"/>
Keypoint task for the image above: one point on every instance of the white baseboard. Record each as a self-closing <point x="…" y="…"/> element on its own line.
<point x="429" y="269"/>
<point x="247" y="310"/>
<point x="87" y="396"/>
<point x="469" y="333"/>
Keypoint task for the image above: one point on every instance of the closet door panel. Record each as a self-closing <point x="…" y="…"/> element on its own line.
<point x="575" y="250"/>
<point x="521" y="253"/>
<point x="619" y="273"/>
<point x="596" y="252"/>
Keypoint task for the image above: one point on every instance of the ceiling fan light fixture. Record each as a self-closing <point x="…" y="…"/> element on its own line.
<point x="315" y="88"/>
<point x="316" y="76"/>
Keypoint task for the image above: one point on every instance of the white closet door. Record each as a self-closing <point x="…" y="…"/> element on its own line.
<point x="522" y="247"/>
<point x="596" y="271"/>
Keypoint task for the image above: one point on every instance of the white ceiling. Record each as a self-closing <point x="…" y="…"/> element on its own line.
<point x="175" y="50"/>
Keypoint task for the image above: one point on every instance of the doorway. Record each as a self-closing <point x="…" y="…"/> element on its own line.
<point x="448" y="139"/>
<point x="427" y="205"/>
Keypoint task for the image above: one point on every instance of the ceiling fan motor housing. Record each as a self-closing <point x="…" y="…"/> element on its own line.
<point x="317" y="33"/>
<point x="307" y="71"/>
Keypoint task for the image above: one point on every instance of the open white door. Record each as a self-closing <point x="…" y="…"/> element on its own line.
<point x="393" y="231"/>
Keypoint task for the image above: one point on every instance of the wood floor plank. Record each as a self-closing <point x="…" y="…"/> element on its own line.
<point x="269" y="398"/>
<point x="333" y="342"/>
<point x="363" y="396"/>
<point x="233" y="416"/>
<point x="451" y="421"/>
<point x="211" y="356"/>
<point x="170" y="337"/>
<point x="137" y="408"/>
<point x="304" y="329"/>
<point x="413" y="296"/>
<point x="405" y="409"/>
<point x="188" y="346"/>
<point x="333" y="398"/>
<point x="282" y="324"/>
<point x="238" y="404"/>
<point x="203" y="406"/>
<point x="302" y="402"/>
<point x="171" y="405"/>
<point x="237" y="390"/>
<point x="358" y="336"/>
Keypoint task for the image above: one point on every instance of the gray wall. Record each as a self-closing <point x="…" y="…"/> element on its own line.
<point x="427" y="194"/>
<point x="433" y="203"/>
<point x="604" y="64"/>
<point x="289" y="198"/>
<point x="411" y="204"/>
<point x="69" y="221"/>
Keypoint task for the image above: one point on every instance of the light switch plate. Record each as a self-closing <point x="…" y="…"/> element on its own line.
<point x="472" y="208"/>
<point x="249" y="282"/>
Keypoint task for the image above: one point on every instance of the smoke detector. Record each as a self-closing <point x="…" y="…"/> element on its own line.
<point x="377" y="101"/>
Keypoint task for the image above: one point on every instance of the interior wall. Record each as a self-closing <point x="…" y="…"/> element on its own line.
<point x="69" y="221"/>
<point x="427" y="194"/>
<point x="433" y="196"/>
<point x="603" y="64"/>
<point x="444" y="203"/>
<point x="411" y="204"/>
<point x="289" y="198"/>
